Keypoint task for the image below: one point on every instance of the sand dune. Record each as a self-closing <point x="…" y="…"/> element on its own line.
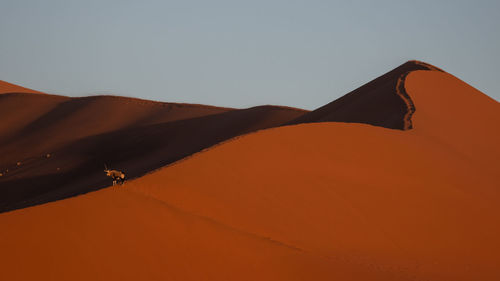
<point x="316" y="201"/>
<point x="465" y="121"/>
<point x="137" y="136"/>
<point x="83" y="134"/>
<point x="414" y="205"/>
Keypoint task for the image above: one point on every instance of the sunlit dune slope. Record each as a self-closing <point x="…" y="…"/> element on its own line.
<point x="321" y="201"/>
<point x="6" y="87"/>
<point x="62" y="143"/>
<point x="124" y="235"/>
<point x="421" y="204"/>
<point x="457" y="117"/>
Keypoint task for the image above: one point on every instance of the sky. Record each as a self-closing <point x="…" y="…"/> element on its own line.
<point x="241" y="53"/>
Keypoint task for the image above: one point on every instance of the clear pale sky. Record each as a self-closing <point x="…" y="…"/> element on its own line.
<point x="241" y="53"/>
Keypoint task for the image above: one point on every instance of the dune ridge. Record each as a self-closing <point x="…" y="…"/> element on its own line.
<point x="6" y="87"/>
<point x="410" y="107"/>
<point x="380" y="102"/>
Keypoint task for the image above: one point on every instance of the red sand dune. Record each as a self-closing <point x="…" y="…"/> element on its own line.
<point x="137" y="136"/>
<point x="83" y="134"/>
<point x="321" y="201"/>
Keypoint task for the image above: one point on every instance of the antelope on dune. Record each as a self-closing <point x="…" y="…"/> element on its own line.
<point x="115" y="175"/>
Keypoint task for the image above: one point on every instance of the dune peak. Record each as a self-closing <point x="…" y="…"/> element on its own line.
<point x="381" y="102"/>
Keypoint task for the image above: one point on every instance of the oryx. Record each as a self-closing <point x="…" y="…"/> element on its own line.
<point x="115" y="175"/>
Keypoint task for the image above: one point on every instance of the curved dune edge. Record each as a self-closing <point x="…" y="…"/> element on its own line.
<point x="427" y="65"/>
<point x="403" y="94"/>
<point x="410" y="107"/>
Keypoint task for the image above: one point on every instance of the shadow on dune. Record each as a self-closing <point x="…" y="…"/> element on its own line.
<point x="135" y="151"/>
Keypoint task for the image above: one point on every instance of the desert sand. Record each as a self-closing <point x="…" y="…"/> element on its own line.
<point x="346" y="200"/>
<point x="84" y="134"/>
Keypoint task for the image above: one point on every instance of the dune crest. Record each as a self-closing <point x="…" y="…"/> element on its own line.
<point x="381" y="102"/>
<point x="410" y="107"/>
<point x="6" y="87"/>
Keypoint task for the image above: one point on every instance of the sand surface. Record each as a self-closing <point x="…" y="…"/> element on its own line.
<point x="318" y="201"/>
<point x="82" y="135"/>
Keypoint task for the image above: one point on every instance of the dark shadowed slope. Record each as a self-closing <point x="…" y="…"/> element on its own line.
<point x="19" y="110"/>
<point x="53" y="147"/>
<point x="382" y="102"/>
<point x="52" y="121"/>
